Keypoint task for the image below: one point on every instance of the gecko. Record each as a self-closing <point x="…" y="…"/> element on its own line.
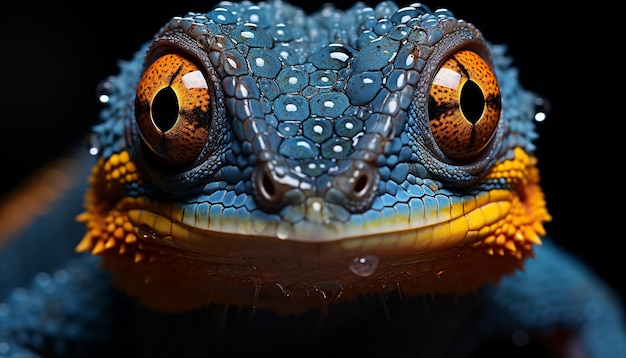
<point x="373" y="167"/>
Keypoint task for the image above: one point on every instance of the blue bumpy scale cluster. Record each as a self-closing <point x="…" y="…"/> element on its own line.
<point x="306" y="119"/>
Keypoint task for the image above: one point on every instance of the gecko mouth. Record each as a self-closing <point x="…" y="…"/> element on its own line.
<point x="153" y="247"/>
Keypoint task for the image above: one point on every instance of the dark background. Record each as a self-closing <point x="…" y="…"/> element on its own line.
<point x="54" y="55"/>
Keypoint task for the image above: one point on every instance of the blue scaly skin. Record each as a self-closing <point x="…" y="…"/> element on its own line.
<point x="258" y="157"/>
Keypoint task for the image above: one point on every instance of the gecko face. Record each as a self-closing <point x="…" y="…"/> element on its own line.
<point x="258" y="155"/>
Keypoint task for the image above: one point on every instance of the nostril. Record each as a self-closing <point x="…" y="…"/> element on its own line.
<point x="354" y="187"/>
<point x="275" y="186"/>
<point x="360" y="186"/>
<point x="267" y="186"/>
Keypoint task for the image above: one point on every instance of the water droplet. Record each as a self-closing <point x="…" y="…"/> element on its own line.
<point x="93" y="144"/>
<point x="364" y="266"/>
<point x="540" y="116"/>
<point x="316" y="206"/>
<point x="542" y="108"/>
<point x="103" y="90"/>
<point x="284" y="230"/>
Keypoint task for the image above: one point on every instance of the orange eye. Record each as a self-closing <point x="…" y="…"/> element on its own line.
<point x="172" y="109"/>
<point x="464" y="105"/>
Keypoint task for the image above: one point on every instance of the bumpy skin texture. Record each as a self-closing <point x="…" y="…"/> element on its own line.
<point x="258" y="157"/>
<point x="269" y="158"/>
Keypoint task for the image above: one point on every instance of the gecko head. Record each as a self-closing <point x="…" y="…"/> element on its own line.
<point x="274" y="162"/>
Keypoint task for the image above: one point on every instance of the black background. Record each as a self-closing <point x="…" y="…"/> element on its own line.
<point x="54" y="55"/>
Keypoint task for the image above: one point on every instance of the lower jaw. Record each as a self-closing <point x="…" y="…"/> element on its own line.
<point x="178" y="283"/>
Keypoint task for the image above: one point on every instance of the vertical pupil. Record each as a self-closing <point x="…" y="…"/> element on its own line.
<point x="472" y="101"/>
<point x="165" y="109"/>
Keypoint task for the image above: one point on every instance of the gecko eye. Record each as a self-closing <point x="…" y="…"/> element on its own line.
<point x="464" y="105"/>
<point x="172" y="109"/>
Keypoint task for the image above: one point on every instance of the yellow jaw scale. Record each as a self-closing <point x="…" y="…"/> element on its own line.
<point x="523" y="224"/>
<point x="107" y="230"/>
<point x="173" y="273"/>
